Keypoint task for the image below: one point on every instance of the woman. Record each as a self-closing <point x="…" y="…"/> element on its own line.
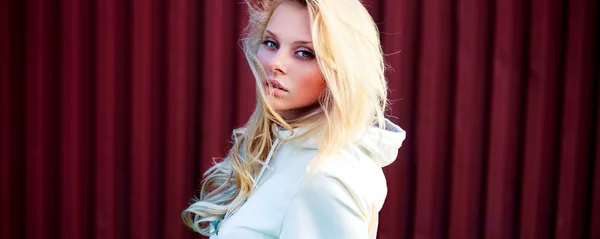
<point x="308" y="162"/>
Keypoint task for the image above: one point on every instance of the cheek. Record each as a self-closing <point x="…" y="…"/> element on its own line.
<point x="263" y="57"/>
<point x="312" y="82"/>
<point x="314" y="77"/>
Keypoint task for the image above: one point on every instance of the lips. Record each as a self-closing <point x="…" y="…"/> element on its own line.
<point x="275" y="84"/>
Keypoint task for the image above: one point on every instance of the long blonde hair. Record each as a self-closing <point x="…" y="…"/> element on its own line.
<point x="349" y="56"/>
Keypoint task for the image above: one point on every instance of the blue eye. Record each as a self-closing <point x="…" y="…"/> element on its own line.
<point x="270" y="44"/>
<point x="305" y="54"/>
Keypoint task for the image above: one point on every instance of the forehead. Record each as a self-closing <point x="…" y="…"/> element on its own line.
<point x="290" y="21"/>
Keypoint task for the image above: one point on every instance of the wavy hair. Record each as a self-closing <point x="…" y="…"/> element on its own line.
<point x="350" y="59"/>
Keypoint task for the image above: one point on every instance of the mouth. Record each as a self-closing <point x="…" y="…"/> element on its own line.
<point x="275" y="85"/>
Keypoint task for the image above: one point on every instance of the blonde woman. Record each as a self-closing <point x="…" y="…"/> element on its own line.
<point x="308" y="163"/>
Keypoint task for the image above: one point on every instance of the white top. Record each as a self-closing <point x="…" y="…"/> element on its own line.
<point x="341" y="199"/>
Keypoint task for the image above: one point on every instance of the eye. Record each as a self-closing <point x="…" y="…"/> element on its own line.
<point x="270" y="44"/>
<point x="304" y="54"/>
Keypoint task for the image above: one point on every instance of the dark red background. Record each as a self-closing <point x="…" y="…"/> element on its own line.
<point x="110" y="110"/>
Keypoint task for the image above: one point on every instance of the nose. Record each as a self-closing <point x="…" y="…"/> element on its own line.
<point x="277" y="65"/>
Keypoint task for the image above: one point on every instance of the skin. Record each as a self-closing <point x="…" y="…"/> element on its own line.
<point x="287" y="55"/>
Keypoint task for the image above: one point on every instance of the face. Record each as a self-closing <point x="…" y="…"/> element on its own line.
<point x="286" y="53"/>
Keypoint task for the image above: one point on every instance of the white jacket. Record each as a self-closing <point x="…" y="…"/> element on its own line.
<point x="341" y="199"/>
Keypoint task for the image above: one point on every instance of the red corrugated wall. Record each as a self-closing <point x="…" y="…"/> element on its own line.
<point x="111" y="110"/>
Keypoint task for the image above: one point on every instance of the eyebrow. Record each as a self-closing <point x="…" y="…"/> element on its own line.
<point x="297" y="42"/>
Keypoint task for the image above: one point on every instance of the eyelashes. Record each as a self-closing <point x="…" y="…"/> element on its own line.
<point x="302" y="54"/>
<point x="270" y="44"/>
<point x="305" y="54"/>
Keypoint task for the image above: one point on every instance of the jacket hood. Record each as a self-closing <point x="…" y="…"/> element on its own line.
<point x="382" y="144"/>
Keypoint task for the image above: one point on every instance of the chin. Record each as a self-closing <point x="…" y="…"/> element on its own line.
<point x="278" y="105"/>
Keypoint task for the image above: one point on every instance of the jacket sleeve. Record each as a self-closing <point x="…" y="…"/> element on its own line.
<point x="325" y="207"/>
